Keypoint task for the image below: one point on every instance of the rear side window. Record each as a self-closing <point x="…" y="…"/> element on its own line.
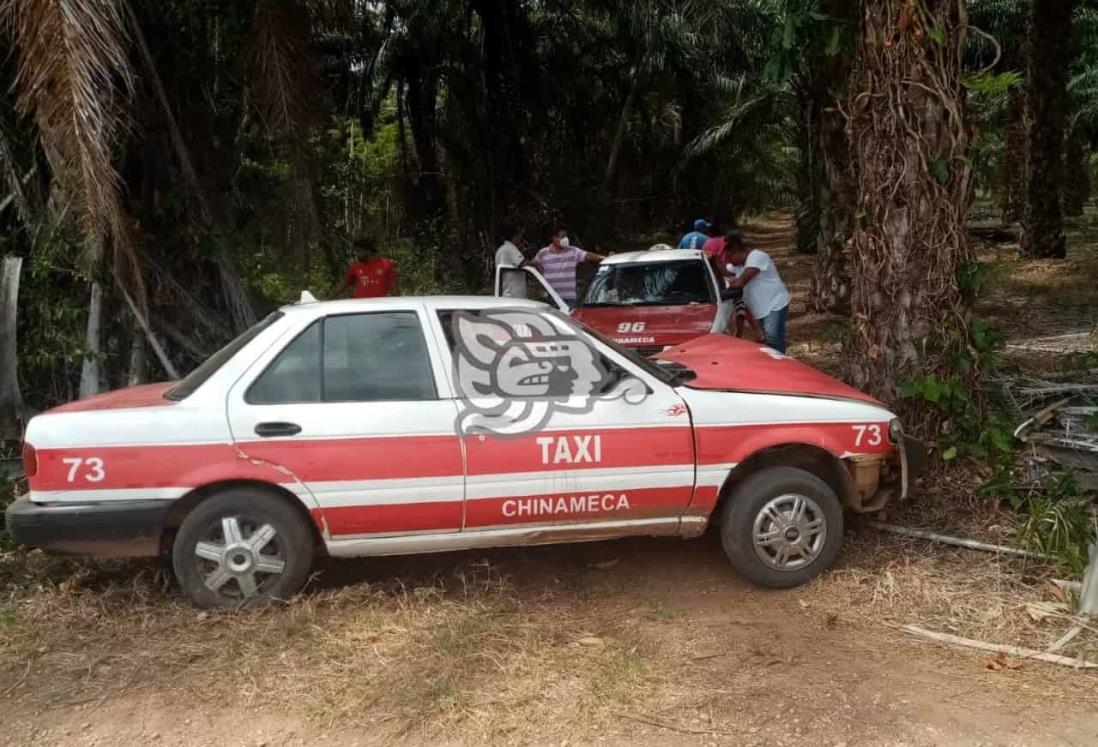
<point x="376" y="357"/>
<point x="210" y="366"/>
<point x="351" y="358"/>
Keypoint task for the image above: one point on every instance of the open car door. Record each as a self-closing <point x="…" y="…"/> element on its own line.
<point x="527" y="282"/>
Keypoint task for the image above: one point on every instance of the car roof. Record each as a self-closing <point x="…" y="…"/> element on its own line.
<point x="404" y="302"/>
<point x="654" y="255"/>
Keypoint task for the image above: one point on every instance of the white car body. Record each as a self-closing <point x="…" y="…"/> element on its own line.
<point x="118" y="473"/>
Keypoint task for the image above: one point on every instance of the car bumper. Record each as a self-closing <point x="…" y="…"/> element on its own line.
<point x="115" y="529"/>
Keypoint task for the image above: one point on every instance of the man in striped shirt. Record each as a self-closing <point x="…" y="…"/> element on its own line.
<point x="557" y="262"/>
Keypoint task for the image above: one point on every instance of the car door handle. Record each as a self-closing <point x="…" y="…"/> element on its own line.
<point x="267" y="430"/>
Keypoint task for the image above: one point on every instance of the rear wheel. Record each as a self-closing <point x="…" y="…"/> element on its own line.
<point x="242" y="547"/>
<point x="782" y="527"/>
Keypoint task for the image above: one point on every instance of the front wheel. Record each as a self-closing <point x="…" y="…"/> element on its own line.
<point x="782" y="527"/>
<point x="242" y="547"/>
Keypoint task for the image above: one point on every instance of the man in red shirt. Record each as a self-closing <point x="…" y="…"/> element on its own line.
<point x="371" y="276"/>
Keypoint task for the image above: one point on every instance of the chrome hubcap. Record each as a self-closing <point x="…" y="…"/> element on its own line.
<point x="246" y="553"/>
<point x="789" y="532"/>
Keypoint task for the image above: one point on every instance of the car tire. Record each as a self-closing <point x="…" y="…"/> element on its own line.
<point x="782" y="527"/>
<point x="242" y="547"/>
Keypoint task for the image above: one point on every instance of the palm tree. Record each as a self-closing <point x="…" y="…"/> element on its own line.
<point x="908" y="140"/>
<point x="1007" y="22"/>
<point x="1049" y="56"/>
<point x="830" y="277"/>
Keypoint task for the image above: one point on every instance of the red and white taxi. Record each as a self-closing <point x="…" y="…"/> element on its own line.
<point x="340" y="428"/>
<point x="651" y="300"/>
<point x="646" y="301"/>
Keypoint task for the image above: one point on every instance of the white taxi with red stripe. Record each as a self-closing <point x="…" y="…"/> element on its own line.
<point x="646" y="301"/>
<point x="650" y="300"/>
<point x="374" y="427"/>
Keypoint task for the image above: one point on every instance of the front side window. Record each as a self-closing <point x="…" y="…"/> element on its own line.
<point x="675" y="283"/>
<point x="570" y="360"/>
<point x="294" y="375"/>
<point x="376" y="357"/>
<point x="373" y="357"/>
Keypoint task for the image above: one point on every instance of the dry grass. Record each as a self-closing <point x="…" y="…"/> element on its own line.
<point x="464" y="650"/>
<point x="971" y="594"/>
<point x="1032" y="300"/>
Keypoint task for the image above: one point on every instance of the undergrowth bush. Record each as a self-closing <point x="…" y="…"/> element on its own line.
<point x="1055" y="519"/>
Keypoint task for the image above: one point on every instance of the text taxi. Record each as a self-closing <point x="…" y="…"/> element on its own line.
<point x="405" y="425"/>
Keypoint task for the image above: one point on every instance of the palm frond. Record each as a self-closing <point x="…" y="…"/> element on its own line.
<point x="11" y="181"/>
<point x="741" y="108"/>
<point x="73" y="77"/>
<point x="282" y="71"/>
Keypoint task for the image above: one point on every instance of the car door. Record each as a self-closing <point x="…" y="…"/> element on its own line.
<point x="725" y="307"/>
<point x="621" y="455"/>
<point x="537" y="288"/>
<point x="354" y="411"/>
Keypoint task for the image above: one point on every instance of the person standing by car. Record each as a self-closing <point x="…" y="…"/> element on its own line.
<point x="765" y="294"/>
<point x="372" y="276"/>
<point x="558" y="261"/>
<point x="714" y="246"/>
<point x="696" y="238"/>
<point x="509" y="255"/>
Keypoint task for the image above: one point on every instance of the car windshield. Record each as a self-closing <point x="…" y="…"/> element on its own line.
<point x="196" y="378"/>
<point x="649" y="366"/>
<point x="674" y="283"/>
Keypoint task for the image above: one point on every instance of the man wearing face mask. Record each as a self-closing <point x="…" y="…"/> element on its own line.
<point x="558" y="261"/>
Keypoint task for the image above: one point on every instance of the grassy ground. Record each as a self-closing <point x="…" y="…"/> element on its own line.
<point x="639" y="641"/>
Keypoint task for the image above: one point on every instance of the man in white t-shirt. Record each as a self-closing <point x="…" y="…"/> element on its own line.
<point x="509" y="255"/>
<point x="765" y="294"/>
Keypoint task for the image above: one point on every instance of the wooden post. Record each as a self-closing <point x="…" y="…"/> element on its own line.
<point x="1088" y="598"/>
<point x="12" y="409"/>
<point x="90" y="375"/>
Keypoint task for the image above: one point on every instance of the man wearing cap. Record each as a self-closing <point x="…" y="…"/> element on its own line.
<point x="696" y="238"/>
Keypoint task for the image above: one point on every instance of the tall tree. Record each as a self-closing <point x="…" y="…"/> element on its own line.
<point x="830" y="277"/>
<point x="1007" y="23"/>
<point x="1049" y="55"/>
<point x="1076" y="173"/>
<point x="908" y="140"/>
<point x="1013" y="180"/>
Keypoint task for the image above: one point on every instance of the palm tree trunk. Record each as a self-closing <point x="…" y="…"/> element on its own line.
<point x="809" y="171"/>
<point x="1076" y="174"/>
<point x="619" y="134"/>
<point x="1013" y="177"/>
<point x="1049" y="56"/>
<point x="838" y="185"/>
<point x="831" y="275"/>
<point x="908" y="140"/>
<point x="137" y="373"/>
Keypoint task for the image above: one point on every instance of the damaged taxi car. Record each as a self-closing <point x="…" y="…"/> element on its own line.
<point x="413" y="425"/>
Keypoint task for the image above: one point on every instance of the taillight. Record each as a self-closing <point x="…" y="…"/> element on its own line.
<point x="30" y="460"/>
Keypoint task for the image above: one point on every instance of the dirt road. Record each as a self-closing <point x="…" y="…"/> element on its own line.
<point x="642" y="641"/>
